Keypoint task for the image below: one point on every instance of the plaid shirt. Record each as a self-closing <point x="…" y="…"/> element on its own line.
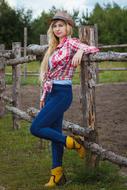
<point x="61" y="62"/>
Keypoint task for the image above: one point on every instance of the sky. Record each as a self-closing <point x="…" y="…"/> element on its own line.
<point x="82" y="5"/>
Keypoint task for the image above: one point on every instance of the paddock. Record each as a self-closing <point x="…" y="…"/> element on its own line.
<point x="87" y="99"/>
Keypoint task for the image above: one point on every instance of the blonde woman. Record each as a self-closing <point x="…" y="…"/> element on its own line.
<point x="60" y="61"/>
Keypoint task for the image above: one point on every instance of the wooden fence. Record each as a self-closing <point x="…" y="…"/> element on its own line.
<point x="88" y="72"/>
<point x="44" y="41"/>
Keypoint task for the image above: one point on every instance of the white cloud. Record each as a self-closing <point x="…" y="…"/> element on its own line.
<point x="121" y="3"/>
<point x="38" y="5"/>
<point x="12" y="3"/>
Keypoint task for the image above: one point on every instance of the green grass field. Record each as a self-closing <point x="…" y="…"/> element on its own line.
<point x="24" y="166"/>
<point x="113" y="76"/>
<point x="104" y="77"/>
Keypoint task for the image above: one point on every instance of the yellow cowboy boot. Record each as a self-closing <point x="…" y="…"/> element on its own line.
<point x="57" y="177"/>
<point x="72" y="143"/>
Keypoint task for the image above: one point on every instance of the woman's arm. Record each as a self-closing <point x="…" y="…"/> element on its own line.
<point x="80" y="48"/>
<point x="75" y="45"/>
<point x="42" y="103"/>
<point x="76" y="60"/>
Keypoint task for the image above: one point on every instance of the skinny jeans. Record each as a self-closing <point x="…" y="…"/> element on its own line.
<point x="48" y="123"/>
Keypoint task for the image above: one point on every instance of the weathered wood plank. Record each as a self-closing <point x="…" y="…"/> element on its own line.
<point x="24" y="51"/>
<point x="21" y="60"/>
<point x="106" y="56"/>
<point x="2" y="81"/>
<point x="30" y="74"/>
<point x="96" y="44"/>
<point x="43" y="39"/>
<point x="106" y="154"/>
<point x="88" y="80"/>
<point x="23" y="115"/>
<point x="5" y="98"/>
<point x="16" y="79"/>
<point x="112" y="46"/>
<point x="113" y="69"/>
<point x="2" y="86"/>
<point x="36" y="49"/>
<point x="6" y="55"/>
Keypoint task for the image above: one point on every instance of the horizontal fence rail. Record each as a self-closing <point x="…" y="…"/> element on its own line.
<point x="112" y="46"/>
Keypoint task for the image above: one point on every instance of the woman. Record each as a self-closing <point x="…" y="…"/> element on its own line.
<point x="60" y="61"/>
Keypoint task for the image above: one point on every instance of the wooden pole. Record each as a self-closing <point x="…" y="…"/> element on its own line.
<point x="95" y="42"/>
<point x="25" y="46"/>
<point x="43" y="41"/>
<point x="2" y="47"/>
<point x="88" y="76"/>
<point x="16" y="72"/>
<point x="2" y="82"/>
<point x="21" y="60"/>
<point x="112" y="46"/>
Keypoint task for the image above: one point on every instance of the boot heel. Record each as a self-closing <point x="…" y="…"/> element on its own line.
<point x="76" y="143"/>
<point x="57" y="177"/>
<point x="62" y="181"/>
<point x="78" y="139"/>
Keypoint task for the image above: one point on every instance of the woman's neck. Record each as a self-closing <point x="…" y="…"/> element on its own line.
<point x="61" y="39"/>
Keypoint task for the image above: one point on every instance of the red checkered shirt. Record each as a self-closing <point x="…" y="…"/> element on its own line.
<point x="61" y="62"/>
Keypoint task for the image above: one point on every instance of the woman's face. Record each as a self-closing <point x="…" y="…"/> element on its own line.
<point x="59" y="29"/>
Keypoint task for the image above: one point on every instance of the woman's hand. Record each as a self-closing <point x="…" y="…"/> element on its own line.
<point x="76" y="60"/>
<point x="42" y="103"/>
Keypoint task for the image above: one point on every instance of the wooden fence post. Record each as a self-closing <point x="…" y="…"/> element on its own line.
<point x="88" y="78"/>
<point x="43" y="39"/>
<point x="16" y="76"/>
<point x="2" y="82"/>
<point x="44" y="144"/>
<point x="96" y="44"/>
<point x="24" y="52"/>
<point x="2" y="47"/>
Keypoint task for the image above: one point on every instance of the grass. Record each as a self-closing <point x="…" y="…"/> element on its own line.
<point x="24" y="166"/>
<point x="32" y="66"/>
<point x="104" y="77"/>
<point x="113" y="76"/>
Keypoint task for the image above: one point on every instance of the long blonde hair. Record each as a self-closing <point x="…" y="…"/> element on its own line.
<point x="53" y="42"/>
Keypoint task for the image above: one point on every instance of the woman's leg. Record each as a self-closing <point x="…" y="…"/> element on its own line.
<point x="57" y="148"/>
<point x="42" y="125"/>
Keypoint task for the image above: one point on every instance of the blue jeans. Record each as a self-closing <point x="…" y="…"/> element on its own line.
<point x="48" y="123"/>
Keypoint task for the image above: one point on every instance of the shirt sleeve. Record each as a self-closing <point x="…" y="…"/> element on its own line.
<point x="75" y="45"/>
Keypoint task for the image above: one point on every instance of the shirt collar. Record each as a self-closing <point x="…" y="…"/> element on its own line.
<point x="62" y="42"/>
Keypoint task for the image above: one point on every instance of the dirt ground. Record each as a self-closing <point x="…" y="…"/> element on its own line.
<point x="111" y="107"/>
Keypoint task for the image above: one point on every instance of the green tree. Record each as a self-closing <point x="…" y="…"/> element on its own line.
<point x="111" y="22"/>
<point x="40" y="25"/>
<point x="12" y="23"/>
